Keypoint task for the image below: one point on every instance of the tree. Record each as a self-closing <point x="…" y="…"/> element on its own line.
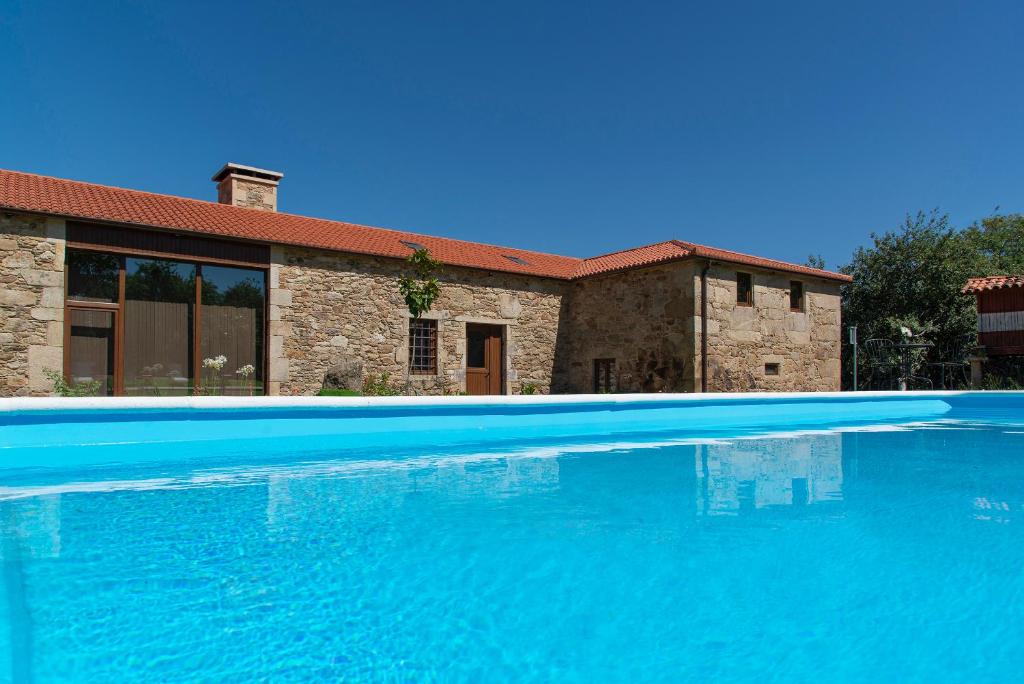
<point x="911" y="277"/>
<point x="815" y="261"/>
<point x="420" y="291"/>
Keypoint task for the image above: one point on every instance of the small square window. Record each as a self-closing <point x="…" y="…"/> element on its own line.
<point x="796" y="295"/>
<point x="604" y="376"/>
<point x="422" y="346"/>
<point x="744" y="289"/>
<point x="771" y="369"/>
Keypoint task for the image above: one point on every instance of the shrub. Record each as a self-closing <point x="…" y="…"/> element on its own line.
<point x="528" y="388"/>
<point x="63" y="388"/>
<point x="381" y="386"/>
<point x="338" y="393"/>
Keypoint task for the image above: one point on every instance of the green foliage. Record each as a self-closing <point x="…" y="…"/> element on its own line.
<point x="63" y="388"/>
<point x="1004" y="373"/>
<point x="528" y="388"/>
<point x="339" y="393"/>
<point x="815" y="261"/>
<point x="380" y="386"/>
<point x="420" y="292"/>
<point x="912" y="277"/>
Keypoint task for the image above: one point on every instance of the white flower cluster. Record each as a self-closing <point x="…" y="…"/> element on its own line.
<point x="246" y="370"/>
<point x="216" y="362"/>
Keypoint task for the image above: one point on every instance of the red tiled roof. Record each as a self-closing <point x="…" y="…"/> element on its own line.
<point x="75" y="199"/>
<point x="992" y="283"/>
<point x="674" y="250"/>
<point x="658" y="253"/>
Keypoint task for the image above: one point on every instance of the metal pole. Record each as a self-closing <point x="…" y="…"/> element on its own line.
<point x="853" y="341"/>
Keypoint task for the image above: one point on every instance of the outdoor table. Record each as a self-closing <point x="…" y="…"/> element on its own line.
<point x="904" y="349"/>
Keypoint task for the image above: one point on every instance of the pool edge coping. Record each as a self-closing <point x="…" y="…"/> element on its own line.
<point x="45" y="404"/>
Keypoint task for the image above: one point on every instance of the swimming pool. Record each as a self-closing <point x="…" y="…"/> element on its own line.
<point x="740" y="538"/>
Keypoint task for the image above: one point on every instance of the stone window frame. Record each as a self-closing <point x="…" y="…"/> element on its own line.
<point x="749" y="301"/>
<point x="429" y="340"/>
<point x="802" y="302"/>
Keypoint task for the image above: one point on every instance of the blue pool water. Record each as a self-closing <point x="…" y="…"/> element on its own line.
<point x="856" y="549"/>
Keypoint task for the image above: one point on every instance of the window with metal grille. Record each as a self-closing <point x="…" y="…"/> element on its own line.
<point x="422" y="346"/>
<point x="604" y="376"/>
<point x="744" y="289"/>
<point x="796" y="295"/>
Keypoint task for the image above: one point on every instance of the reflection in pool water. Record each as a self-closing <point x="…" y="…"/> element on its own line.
<point x="827" y="555"/>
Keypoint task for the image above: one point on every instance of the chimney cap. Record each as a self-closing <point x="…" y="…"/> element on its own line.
<point x="243" y="170"/>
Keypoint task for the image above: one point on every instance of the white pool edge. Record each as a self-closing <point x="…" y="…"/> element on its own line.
<point x="17" y="404"/>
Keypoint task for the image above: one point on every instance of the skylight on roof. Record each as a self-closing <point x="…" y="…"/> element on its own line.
<point x="516" y="260"/>
<point x="412" y="245"/>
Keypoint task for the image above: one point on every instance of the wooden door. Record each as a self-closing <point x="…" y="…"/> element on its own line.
<point x="483" y="359"/>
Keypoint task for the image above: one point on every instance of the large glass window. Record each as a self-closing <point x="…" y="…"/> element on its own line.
<point x="159" y="312"/>
<point x="91" y="350"/>
<point x="161" y="327"/>
<point x="93" y="277"/>
<point x="231" y="330"/>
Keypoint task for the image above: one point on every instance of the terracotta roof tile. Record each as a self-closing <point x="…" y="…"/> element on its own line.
<point x="43" y="194"/>
<point x="647" y="255"/>
<point x="992" y="283"/>
<point x="75" y="199"/>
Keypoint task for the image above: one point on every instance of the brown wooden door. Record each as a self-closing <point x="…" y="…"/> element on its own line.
<point x="483" y="359"/>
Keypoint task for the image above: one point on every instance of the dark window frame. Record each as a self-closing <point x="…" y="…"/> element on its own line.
<point x="796" y="286"/>
<point x="118" y="306"/>
<point x="604" y="375"/>
<point x="748" y="300"/>
<point x="423" y="346"/>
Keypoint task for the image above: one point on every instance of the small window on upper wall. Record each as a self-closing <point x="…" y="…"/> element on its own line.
<point x="796" y="295"/>
<point x="771" y="369"/>
<point x="744" y="289"/>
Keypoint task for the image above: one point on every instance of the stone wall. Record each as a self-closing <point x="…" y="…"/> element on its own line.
<point x="643" y="319"/>
<point x="742" y="339"/>
<point x="326" y="306"/>
<point x="31" y="303"/>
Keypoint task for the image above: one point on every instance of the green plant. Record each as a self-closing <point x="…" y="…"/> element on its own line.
<point x="992" y="381"/>
<point x="339" y="392"/>
<point x="63" y="388"/>
<point x="528" y="388"/>
<point x="420" y="292"/>
<point x="374" y="386"/>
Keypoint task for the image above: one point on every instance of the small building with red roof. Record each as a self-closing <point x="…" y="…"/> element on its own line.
<point x="1000" y="302"/>
<point x="113" y="291"/>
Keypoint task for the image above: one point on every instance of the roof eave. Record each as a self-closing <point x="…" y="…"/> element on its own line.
<point x="285" y="243"/>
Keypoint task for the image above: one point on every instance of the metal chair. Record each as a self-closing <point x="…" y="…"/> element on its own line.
<point x="952" y="361"/>
<point x="881" y="362"/>
<point x="919" y="382"/>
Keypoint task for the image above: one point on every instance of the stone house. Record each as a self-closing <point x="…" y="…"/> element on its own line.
<point x="134" y="293"/>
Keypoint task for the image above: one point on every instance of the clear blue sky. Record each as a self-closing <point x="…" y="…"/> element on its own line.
<point x="579" y="128"/>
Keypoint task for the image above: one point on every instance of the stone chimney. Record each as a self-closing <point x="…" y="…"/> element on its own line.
<point x="247" y="186"/>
